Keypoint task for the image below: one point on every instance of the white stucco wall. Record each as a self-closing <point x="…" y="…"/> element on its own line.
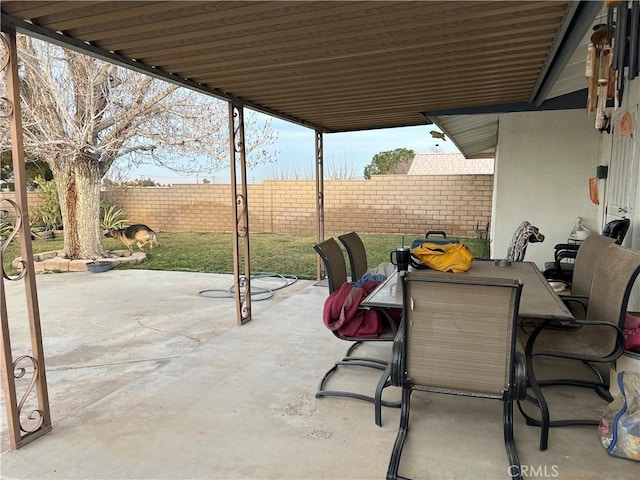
<point x="630" y="103"/>
<point x="543" y="164"/>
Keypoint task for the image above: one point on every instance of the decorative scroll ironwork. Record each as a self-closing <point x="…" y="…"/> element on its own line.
<point x="320" y="198"/>
<point x="18" y="373"/>
<point x="245" y="307"/>
<point x="238" y="131"/>
<point x="6" y="53"/>
<point x="12" y="231"/>
<point x="241" y="209"/>
<point x="320" y="179"/>
<point x="6" y="107"/>
<point x="241" y="256"/>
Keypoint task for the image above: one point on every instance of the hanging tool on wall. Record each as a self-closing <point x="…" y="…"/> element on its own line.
<point x="593" y="190"/>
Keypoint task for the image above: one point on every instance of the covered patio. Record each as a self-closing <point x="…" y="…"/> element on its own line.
<point x="150" y="380"/>
<point x="149" y="385"/>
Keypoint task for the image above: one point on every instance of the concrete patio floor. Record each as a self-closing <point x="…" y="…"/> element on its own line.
<point x="150" y="380"/>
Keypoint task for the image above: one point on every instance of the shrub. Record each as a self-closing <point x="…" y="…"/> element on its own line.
<point x="50" y="207"/>
<point x="111" y="218"/>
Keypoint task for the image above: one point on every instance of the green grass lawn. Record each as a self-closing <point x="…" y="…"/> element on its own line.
<point x="289" y="255"/>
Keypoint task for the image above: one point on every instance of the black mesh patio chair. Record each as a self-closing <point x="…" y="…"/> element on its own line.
<point x="458" y="336"/>
<point x="356" y="253"/>
<point x="617" y="229"/>
<point x="336" y="271"/>
<point x="596" y="339"/>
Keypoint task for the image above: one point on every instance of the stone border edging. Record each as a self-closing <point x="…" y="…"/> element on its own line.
<point x="54" y="262"/>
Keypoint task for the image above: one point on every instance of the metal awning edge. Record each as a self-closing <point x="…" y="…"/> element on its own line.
<point x="570" y="101"/>
<point x="579" y="20"/>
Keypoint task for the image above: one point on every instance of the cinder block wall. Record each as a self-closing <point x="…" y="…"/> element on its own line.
<point x="33" y="201"/>
<point x="384" y="204"/>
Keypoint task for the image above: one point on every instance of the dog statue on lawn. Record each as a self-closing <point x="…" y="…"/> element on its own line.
<point x="138" y="234"/>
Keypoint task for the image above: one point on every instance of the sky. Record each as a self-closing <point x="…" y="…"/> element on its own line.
<point x="295" y="147"/>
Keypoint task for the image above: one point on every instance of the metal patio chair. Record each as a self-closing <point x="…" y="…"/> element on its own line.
<point x="563" y="265"/>
<point x="356" y="253"/>
<point x="335" y="266"/>
<point x="596" y="339"/>
<point x="458" y="336"/>
<point x="592" y="250"/>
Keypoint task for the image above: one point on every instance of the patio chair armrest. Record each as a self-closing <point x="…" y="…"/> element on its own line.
<point x="397" y="358"/>
<point x="571" y="301"/>
<point x="535" y="324"/>
<point x="573" y="326"/>
<point x="563" y="251"/>
<point x="519" y="389"/>
<point x="618" y="349"/>
<point x="565" y="248"/>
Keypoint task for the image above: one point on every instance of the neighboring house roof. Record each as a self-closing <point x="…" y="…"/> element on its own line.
<point x="449" y="164"/>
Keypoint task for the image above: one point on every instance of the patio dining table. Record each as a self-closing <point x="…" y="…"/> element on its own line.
<point x="538" y="300"/>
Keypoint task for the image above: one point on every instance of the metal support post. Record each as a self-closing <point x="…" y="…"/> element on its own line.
<point x="320" y="198"/>
<point x="241" y="257"/>
<point x="24" y="376"/>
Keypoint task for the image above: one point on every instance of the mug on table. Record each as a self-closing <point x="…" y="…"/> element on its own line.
<point x="402" y="255"/>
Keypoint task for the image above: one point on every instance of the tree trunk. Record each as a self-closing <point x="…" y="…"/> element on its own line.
<point x="78" y="183"/>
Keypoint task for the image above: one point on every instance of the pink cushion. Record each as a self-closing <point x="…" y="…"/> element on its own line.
<point x="631" y="338"/>
<point x="632" y="320"/>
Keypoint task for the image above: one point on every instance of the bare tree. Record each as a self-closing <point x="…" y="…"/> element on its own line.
<point x="335" y="169"/>
<point x="292" y="173"/>
<point x="82" y="115"/>
<point x="340" y="169"/>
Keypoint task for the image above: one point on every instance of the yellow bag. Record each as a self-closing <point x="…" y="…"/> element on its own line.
<point x="452" y="257"/>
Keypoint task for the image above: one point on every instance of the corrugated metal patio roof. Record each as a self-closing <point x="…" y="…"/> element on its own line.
<point x="331" y="65"/>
